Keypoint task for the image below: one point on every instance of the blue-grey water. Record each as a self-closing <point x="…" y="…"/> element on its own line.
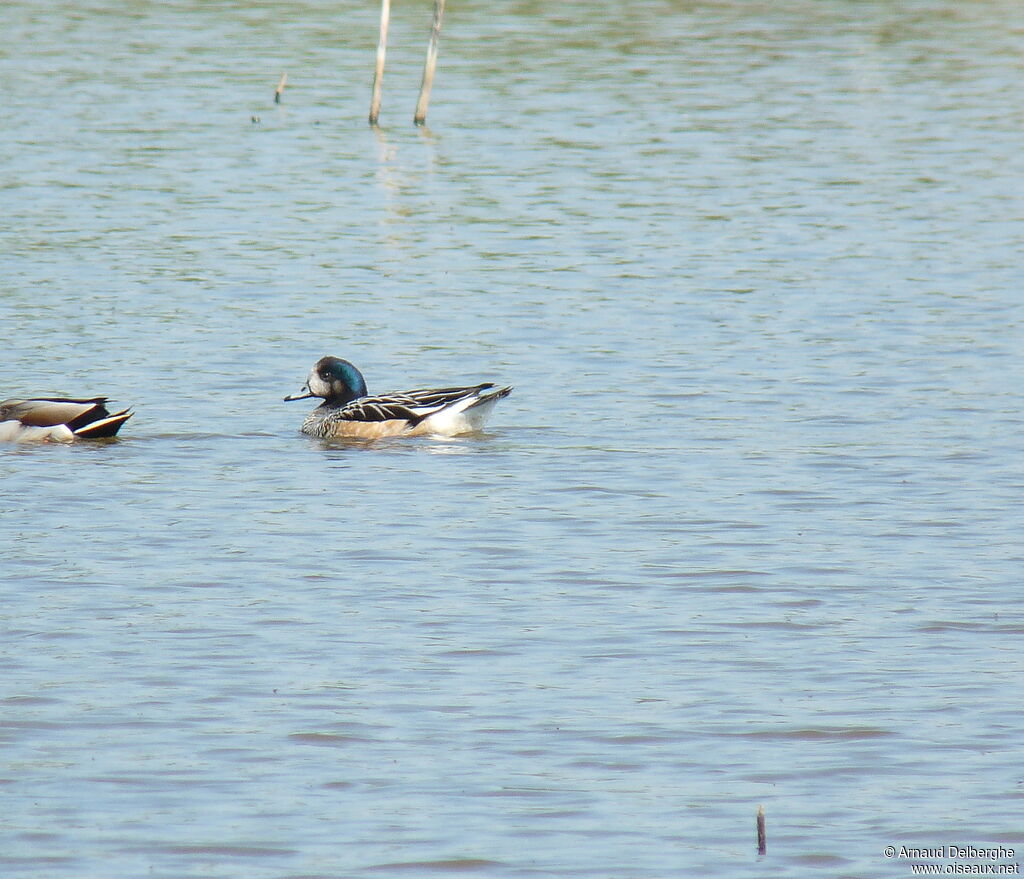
<point x="749" y="530"/>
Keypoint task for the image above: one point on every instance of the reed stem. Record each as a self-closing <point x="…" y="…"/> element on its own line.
<point x="378" y="73"/>
<point x="430" y="66"/>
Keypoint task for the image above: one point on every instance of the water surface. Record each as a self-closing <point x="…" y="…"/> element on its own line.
<point x="748" y="530"/>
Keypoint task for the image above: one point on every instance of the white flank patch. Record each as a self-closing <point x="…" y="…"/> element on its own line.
<point x="455" y="419"/>
<point x="15" y="431"/>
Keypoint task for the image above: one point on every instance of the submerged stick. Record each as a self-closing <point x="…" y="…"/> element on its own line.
<point x="762" y="837"/>
<point x="378" y="73"/>
<point x="429" y="67"/>
<point x="280" y="88"/>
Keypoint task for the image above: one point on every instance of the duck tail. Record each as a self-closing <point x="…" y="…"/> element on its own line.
<point x="491" y="397"/>
<point x="104" y="427"/>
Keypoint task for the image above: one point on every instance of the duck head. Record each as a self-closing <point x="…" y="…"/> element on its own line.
<point x="334" y="379"/>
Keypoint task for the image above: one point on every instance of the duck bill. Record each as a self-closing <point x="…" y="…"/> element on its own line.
<point x="303" y="394"/>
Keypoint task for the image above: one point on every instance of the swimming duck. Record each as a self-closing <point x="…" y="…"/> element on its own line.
<point x="349" y="411"/>
<point x="52" y="418"/>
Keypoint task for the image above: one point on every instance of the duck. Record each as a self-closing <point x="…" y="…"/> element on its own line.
<point x="59" y="419"/>
<point x="348" y="410"/>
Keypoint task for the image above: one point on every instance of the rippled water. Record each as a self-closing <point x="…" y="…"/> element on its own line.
<point x="748" y="531"/>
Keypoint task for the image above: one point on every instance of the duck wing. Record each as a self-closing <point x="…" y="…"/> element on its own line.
<point x="410" y="406"/>
<point x="49" y="411"/>
<point x="382" y="408"/>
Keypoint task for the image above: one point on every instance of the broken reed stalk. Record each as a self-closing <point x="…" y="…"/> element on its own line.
<point x="429" y="67"/>
<point x="280" y="88"/>
<point x="378" y="73"/>
<point x="762" y="837"/>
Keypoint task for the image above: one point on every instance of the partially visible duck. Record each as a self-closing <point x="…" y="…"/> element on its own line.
<point x="52" y="418"/>
<point x="349" y="411"/>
